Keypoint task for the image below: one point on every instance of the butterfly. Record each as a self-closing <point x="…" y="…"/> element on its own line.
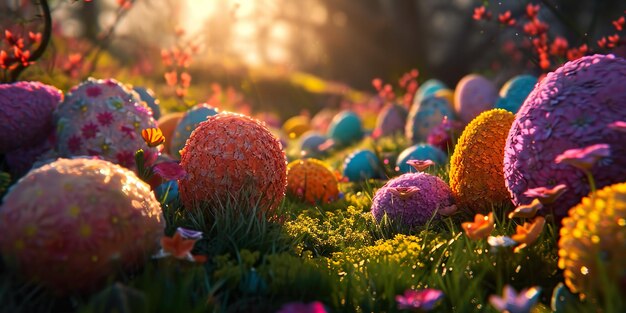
<point x="153" y="136"/>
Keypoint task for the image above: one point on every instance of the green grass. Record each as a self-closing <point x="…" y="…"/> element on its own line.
<point x="334" y="253"/>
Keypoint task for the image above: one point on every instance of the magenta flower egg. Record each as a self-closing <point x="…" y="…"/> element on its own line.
<point x="26" y="114"/>
<point x="103" y="118"/>
<point x="72" y="223"/>
<point x="411" y="199"/>
<point x="473" y="95"/>
<point x="571" y="108"/>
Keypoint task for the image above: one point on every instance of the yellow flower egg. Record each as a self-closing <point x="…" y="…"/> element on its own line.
<point x="476" y="175"/>
<point x="312" y="181"/>
<point x="591" y="246"/>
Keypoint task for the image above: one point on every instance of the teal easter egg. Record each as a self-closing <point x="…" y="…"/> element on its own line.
<point x="361" y="165"/>
<point x="345" y="128"/>
<point x="514" y="92"/>
<point x="428" y="88"/>
<point x="473" y="95"/>
<point x="167" y="192"/>
<point x="310" y="144"/>
<point x="426" y="115"/>
<point x="147" y="95"/>
<point x="419" y="152"/>
<point x="188" y="124"/>
<point x="391" y="120"/>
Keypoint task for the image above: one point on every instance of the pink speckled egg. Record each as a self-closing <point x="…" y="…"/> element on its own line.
<point x="26" y="114"/>
<point x="72" y="223"/>
<point x="473" y="95"/>
<point x="232" y="156"/>
<point x="104" y="118"/>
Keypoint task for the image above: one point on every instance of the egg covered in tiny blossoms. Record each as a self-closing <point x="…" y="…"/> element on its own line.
<point x="192" y="118"/>
<point x="362" y="165"/>
<point x="476" y="176"/>
<point x="419" y="152"/>
<point x="312" y="180"/>
<point x="72" y="223"/>
<point x="26" y="114"/>
<point x="473" y="95"/>
<point x="103" y="118"/>
<point x="411" y="199"/>
<point x="426" y="115"/>
<point x="390" y="120"/>
<point x="592" y="241"/>
<point x="571" y="108"/>
<point x="233" y="157"/>
<point x="147" y="95"/>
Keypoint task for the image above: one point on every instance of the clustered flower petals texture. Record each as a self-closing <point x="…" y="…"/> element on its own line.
<point x="103" y="118"/>
<point x="570" y="108"/>
<point x="312" y="181"/>
<point x="26" y="114"/>
<point x="232" y="154"/>
<point x="414" y="208"/>
<point x="476" y="176"/>
<point x="594" y="234"/>
<point x="71" y="223"/>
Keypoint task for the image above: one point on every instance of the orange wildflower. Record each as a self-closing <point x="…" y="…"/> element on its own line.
<point x="527" y="210"/>
<point x="153" y="137"/>
<point x="480" y="228"/>
<point x="177" y="246"/>
<point x="529" y="232"/>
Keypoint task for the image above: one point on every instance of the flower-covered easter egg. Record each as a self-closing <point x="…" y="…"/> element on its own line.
<point x="147" y="95"/>
<point x="427" y="115"/>
<point x="21" y="160"/>
<point x="26" y="114"/>
<point x="473" y="95"/>
<point x="476" y="176"/>
<point x="103" y="118"/>
<point x="361" y="165"/>
<point x="345" y="128"/>
<point x="390" y="120"/>
<point x="411" y="199"/>
<point x="312" y="181"/>
<point x="187" y="124"/>
<point x="233" y="156"/>
<point x="310" y="143"/>
<point x="428" y="88"/>
<point x="167" y="124"/>
<point x="72" y="223"/>
<point x="514" y="92"/>
<point x="570" y="108"/>
<point x="592" y="241"/>
<point x="297" y="125"/>
<point x="419" y="152"/>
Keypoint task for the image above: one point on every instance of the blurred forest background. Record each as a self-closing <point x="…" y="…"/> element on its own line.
<point x="258" y="45"/>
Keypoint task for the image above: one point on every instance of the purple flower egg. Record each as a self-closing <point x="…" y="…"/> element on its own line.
<point x="26" y="114"/>
<point x="411" y="199"/>
<point x="570" y="108"/>
<point x="391" y="120"/>
<point x="473" y="95"/>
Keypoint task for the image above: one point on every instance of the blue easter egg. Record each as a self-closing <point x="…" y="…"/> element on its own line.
<point x="147" y="96"/>
<point x="310" y="142"/>
<point x="419" y="152"/>
<point x="187" y="124"/>
<point x="391" y="120"/>
<point x="428" y="88"/>
<point x="426" y="115"/>
<point x="515" y="91"/>
<point x="361" y="165"/>
<point x="345" y="128"/>
<point x="167" y="191"/>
